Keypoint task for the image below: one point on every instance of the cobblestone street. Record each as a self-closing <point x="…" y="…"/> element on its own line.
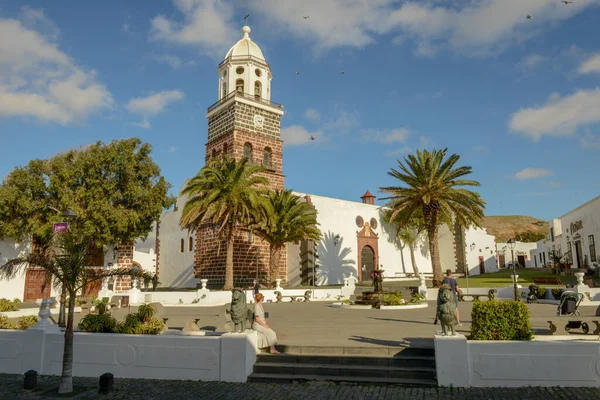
<point x="87" y="388"/>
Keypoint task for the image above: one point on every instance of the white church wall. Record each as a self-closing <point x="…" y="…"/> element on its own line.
<point x="13" y="288"/>
<point x="521" y="249"/>
<point x="338" y="217"/>
<point x="480" y="244"/>
<point x="176" y="268"/>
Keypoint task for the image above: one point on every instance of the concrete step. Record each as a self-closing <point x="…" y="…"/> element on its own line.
<point x="283" y="378"/>
<point x="364" y="371"/>
<point x="416" y="361"/>
<point x="380" y="351"/>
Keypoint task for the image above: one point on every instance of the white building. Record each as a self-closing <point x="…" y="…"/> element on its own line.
<point x="523" y="253"/>
<point x="573" y="236"/>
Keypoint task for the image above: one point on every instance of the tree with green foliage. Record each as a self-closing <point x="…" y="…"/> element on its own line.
<point x="434" y="187"/>
<point x="409" y="233"/>
<point x="529" y="236"/>
<point x="64" y="261"/>
<point x="225" y="194"/>
<point x="285" y="218"/>
<point x="115" y="189"/>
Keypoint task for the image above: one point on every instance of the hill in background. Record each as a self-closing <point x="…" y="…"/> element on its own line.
<point x="505" y="227"/>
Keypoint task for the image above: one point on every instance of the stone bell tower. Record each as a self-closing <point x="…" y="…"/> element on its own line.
<point x="244" y="122"/>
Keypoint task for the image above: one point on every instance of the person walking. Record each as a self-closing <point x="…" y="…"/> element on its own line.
<point x="255" y="287"/>
<point x="450" y="281"/>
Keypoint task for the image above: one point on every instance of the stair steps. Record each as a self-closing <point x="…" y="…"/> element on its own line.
<point x="410" y="366"/>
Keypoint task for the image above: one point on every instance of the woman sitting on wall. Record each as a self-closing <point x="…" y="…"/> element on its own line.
<point x="260" y="323"/>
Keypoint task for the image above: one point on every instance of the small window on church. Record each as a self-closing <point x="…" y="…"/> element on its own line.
<point x="214" y="154"/>
<point x="267" y="157"/>
<point x="248" y="151"/>
<point x="257" y="90"/>
<point x="191" y="244"/>
<point x="239" y="70"/>
<point x="224" y="90"/>
<point x="239" y="86"/>
<point x="181" y="245"/>
<point x="258" y="72"/>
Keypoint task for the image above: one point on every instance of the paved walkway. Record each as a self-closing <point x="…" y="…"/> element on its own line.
<point x="87" y="388"/>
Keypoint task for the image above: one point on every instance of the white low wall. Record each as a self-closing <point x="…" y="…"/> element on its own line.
<point x="214" y="298"/>
<point x="541" y="362"/>
<point x="229" y="357"/>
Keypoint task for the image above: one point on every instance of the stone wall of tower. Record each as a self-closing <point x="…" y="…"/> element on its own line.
<point x="229" y="130"/>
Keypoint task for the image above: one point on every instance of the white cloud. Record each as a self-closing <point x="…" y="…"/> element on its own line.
<point x="553" y="184"/>
<point x="425" y="141"/>
<point x="205" y="23"/>
<point x="154" y="103"/>
<point x="475" y="27"/>
<point x="388" y="136"/>
<point x="591" y="65"/>
<point x="481" y="149"/>
<point x="172" y="149"/>
<point x="589" y="140"/>
<point x="532" y="173"/>
<point x="297" y="135"/>
<point x="531" y="61"/>
<point x="172" y="61"/>
<point x="125" y="27"/>
<point x="312" y="115"/>
<point x="559" y="116"/>
<point x="343" y="121"/>
<point x="38" y="80"/>
<point x="144" y="124"/>
<point x="398" y="152"/>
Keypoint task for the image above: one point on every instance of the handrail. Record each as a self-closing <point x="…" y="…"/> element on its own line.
<point x="248" y="96"/>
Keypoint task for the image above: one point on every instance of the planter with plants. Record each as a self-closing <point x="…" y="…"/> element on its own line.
<point x="142" y="322"/>
<point x="9" y="305"/>
<point x="22" y="324"/>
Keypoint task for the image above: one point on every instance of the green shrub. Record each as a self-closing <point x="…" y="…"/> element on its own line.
<point x="556" y="293"/>
<point x="104" y="323"/>
<point x="141" y="323"/>
<point x="393" y="299"/>
<point x="5" y="323"/>
<point x="541" y="293"/>
<point x="416" y="298"/>
<point x="9" y="305"/>
<point x="27" y="321"/>
<point x="500" y="320"/>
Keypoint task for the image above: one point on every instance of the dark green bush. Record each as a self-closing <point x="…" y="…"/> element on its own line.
<point x="394" y="299"/>
<point x="104" y="323"/>
<point x="556" y="293"/>
<point x="500" y="320"/>
<point x="541" y="293"/>
<point x="27" y="321"/>
<point x="5" y="323"/>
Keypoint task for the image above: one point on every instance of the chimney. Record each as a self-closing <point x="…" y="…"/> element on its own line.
<point x="368" y="198"/>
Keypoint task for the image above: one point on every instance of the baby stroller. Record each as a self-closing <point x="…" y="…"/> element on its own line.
<point x="569" y="303"/>
<point x="532" y="296"/>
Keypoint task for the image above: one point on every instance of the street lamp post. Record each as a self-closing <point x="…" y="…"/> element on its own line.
<point x="256" y="249"/>
<point x="511" y="245"/>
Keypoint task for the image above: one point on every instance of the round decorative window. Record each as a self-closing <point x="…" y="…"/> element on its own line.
<point x="239" y="70"/>
<point x="258" y="72"/>
<point x="360" y="221"/>
<point x="373" y="222"/>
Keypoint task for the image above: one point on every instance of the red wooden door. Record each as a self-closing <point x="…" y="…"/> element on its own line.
<point x="34" y="281"/>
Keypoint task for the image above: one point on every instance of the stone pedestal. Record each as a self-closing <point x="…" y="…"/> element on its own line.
<point x="203" y="292"/>
<point x="44" y="324"/>
<point x="422" y="286"/>
<point x="581" y="288"/>
<point x="278" y="285"/>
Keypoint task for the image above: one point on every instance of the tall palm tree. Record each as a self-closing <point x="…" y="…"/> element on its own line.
<point x="409" y="232"/>
<point x="65" y="264"/>
<point x="225" y="194"/>
<point x="285" y="218"/>
<point x="434" y="187"/>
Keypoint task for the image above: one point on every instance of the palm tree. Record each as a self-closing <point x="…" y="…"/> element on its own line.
<point x="434" y="188"/>
<point x="285" y="218"/>
<point x="224" y="194"/>
<point x="65" y="262"/>
<point x="409" y="232"/>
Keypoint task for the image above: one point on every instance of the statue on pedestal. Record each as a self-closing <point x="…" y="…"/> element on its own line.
<point x="446" y="310"/>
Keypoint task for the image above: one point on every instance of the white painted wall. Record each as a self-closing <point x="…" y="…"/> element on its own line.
<point x="521" y="249"/>
<point x="176" y="268"/>
<point x="228" y="358"/>
<point x="589" y="215"/>
<point x="14" y="288"/>
<point x="480" y="244"/>
<point x="463" y="363"/>
<point x="540" y="254"/>
<point x="337" y="217"/>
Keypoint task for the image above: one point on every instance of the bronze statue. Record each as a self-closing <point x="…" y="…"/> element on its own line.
<point x="239" y="313"/>
<point x="446" y="310"/>
<point x="377" y="280"/>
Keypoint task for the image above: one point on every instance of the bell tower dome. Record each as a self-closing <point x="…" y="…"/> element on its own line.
<point x="245" y="70"/>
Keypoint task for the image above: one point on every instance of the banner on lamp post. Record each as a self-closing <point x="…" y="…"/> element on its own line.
<point x="61" y="227"/>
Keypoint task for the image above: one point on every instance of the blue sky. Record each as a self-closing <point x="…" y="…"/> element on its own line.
<point x="517" y="98"/>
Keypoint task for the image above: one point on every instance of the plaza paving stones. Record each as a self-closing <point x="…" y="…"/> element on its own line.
<point x="12" y="388"/>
